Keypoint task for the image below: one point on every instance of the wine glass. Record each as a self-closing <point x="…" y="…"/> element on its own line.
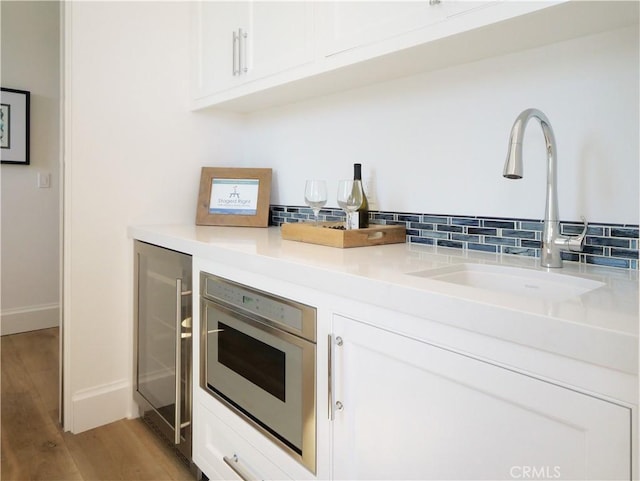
<point x="349" y="197"/>
<point x="315" y="196"/>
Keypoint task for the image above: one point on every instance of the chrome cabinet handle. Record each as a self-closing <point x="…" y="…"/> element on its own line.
<point x="242" y="38"/>
<point x="235" y="54"/>
<point x="234" y="463"/>
<point x="333" y="405"/>
<point x="330" y="378"/>
<point x="178" y="424"/>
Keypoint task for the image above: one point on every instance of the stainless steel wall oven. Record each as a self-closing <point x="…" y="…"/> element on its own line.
<point x="258" y="357"/>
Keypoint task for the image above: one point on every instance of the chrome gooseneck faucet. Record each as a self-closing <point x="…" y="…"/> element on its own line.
<point x="552" y="241"/>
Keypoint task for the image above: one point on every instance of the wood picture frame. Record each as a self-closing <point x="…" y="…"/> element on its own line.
<point x="14" y="126"/>
<point x="234" y="196"/>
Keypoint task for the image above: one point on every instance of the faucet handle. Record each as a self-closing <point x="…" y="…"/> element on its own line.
<point x="573" y="243"/>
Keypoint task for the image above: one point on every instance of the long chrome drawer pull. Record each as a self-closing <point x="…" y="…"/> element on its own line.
<point x="329" y="378"/>
<point x="234" y="463"/>
<point x="333" y="404"/>
<point x="235" y="54"/>
<point x="242" y="41"/>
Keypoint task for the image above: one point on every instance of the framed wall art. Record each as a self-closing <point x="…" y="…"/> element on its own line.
<point x="14" y="126"/>
<point x="234" y="196"/>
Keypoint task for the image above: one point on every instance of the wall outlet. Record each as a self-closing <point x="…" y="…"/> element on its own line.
<point x="44" y="180"/>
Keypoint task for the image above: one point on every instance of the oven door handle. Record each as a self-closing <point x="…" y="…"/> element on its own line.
<point x="234" y="463"/>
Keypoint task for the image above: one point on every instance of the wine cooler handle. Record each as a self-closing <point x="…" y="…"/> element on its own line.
<point x="178" y="423"/>
<point x="234" y="463"/>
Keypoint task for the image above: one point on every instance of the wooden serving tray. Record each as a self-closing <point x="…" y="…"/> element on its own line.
<point x="322" y="234"/>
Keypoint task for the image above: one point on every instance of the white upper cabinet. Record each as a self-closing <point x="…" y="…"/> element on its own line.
<point x="281" y="37"/>
<point x="216" y="27"/>
<point x="354" y="24"/>
<point x="239" y="42"/>
<point x="459" y="7"/>
<point x="249" y="55"/>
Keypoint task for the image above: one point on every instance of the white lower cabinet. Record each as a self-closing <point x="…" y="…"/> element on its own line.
<point x="404" y="409"/>
<point x="222" y="454"/>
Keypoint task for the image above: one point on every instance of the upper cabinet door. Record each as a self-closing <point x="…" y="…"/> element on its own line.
<point x="216" y="47"/>
<point x="280" y="37"/>
<point x="354" y="24"/>
<point x="238" y="42"/>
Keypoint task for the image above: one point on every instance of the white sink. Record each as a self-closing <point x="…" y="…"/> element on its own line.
<point x="513" y="280"/>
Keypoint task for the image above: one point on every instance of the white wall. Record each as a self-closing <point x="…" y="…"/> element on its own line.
<point x="30" y="216"/>
<point x="436" y="143"/>
<point x="133" y="156"/>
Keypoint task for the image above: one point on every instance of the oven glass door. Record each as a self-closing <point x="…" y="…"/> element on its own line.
<point x="260" y="371"/>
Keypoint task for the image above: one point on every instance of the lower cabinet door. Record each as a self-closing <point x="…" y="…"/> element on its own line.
<point x="222" y="454"/>
<point x="404" y="409"/>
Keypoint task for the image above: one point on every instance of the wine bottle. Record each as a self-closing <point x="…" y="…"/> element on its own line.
<point x="361" y="216"/>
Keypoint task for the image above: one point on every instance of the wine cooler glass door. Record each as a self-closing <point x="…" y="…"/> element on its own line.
<point x="164" y="338"/>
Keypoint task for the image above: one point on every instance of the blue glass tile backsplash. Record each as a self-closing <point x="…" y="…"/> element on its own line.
<point x="611" y="245"/>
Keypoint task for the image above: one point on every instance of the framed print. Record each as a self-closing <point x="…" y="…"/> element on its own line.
<point x="234" y="196"/>
<point x="14" y="126"/>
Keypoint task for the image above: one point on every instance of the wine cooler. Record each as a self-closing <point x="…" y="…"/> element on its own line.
<point x="163" y="343"/>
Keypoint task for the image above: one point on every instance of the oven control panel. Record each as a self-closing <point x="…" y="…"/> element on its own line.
<point x="290" y="315"/>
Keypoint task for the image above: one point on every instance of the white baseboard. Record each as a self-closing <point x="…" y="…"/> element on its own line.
<point x="13" y="321"/>
<point x="100" y="405"/>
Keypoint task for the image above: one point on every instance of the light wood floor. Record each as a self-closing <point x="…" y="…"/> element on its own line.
<point x="33" y="446"/>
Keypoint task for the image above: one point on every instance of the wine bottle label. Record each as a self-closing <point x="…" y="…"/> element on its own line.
<point x="353" y="220"/>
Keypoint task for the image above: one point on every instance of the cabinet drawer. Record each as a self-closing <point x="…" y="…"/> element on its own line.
<point x="218" y="440"/>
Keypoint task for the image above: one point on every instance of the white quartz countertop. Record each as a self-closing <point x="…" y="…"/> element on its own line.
<point x="599" y="327"/>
